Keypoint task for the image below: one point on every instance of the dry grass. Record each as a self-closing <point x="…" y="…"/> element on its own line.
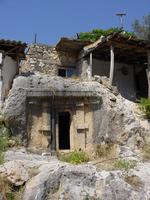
<point x="3" y="186"/>
<point x="8" y="191"/>
<point x="18" y="194"/>
<point x="33" y="171"/>
<point x="134" y="181"/>
<point x="107" y="165"/>
<point x="108" y="150"/>
<point x="146" y="152"/>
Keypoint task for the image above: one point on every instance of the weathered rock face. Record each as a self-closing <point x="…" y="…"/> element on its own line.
<point x="46" y="59"/>
<point x="14" y="172"/>
<point x="113" y="118"/>
<point x="58" y="180"/>
<point x="62" y="181"/>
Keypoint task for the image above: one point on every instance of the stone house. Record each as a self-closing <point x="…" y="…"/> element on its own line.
<point x="58" y="103"/>
<point x="11" y="53"/>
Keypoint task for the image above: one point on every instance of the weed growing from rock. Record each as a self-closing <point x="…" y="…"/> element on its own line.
<point x="75" y="157"/>
<point x="144" y="105"/>
<point x="125" y="164"/>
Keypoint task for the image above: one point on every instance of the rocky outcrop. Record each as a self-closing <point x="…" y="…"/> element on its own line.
<point x="14" y="172"/>
<point x="60" y="181"/>
<point x="15" y="110"/>
<point x="114" y="118"/>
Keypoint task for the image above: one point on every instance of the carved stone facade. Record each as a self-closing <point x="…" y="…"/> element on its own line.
<point x="44" y="135"/>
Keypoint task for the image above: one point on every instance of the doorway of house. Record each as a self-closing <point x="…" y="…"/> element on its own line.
<point x="141" y="83"/>
<point x="64" y="130"/>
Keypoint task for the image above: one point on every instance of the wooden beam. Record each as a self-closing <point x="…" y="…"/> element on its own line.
<point x="126" y="46"/>
<point x="112" y="65"/>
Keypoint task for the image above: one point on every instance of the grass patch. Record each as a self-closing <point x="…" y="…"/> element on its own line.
<point x="134" y="181"/>
<point x="6" y="140"/>
<point x="125" y="164"/>
<point x="75" y="157"/>
<point x="146" y="152"/>
<point x="4" y="144"/>
<point x="1" y="158"/>
<point x="144" y="105"/>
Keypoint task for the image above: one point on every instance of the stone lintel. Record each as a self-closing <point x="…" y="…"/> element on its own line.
<point x="37" y="93"/>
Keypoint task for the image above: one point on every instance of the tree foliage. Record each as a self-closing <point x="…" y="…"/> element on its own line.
<point x="95" y="34"/>
<point x="142" y="28"/>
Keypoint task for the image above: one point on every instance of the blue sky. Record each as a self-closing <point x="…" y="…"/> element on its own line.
<point x="52" y="19"/>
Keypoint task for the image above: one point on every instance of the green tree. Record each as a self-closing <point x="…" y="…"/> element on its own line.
<point x="142" y="28"/>
<point x="95" y="34"/>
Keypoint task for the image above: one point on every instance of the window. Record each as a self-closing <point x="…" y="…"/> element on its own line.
<point x="66" y="72"/>
<point x="62" y="72"/>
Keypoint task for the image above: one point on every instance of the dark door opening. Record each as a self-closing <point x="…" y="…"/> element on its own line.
<point x="141" y="84"/>
<point x="64" y="130"/>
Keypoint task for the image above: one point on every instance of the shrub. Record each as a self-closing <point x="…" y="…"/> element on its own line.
<point x="144" y="105"/>
<point x="1" y="158"/>
<point x="125" y="164"/>
<point x="75" y="157"/>
<point x="4" y="143"/>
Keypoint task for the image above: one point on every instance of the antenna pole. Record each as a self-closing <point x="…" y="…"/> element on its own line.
<point x="121" y="15"/>
<point x="35" y="38"/>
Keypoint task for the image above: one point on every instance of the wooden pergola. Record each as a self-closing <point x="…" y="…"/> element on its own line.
<point x="12" y="48"/>
<point x="119" y="48"/>
<point x="116" y="47"/>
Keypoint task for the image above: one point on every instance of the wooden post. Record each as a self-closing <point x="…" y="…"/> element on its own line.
<point x="148" y="72"/>
<point x="112" y="65"/>
<point x="90" y="67"/>
<point x="91" y="61"/>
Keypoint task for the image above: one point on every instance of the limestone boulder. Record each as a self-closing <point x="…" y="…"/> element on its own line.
<point x="47" y="181"/>
<point x="58" y="180"/>
<point x="14" y="172"/>
<point x="1" y="197"/>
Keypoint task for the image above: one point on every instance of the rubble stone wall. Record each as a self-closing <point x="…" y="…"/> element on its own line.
<point x="46" y="59"/>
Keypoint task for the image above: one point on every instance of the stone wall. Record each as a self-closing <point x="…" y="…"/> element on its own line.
<point x="46" y="59"/>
